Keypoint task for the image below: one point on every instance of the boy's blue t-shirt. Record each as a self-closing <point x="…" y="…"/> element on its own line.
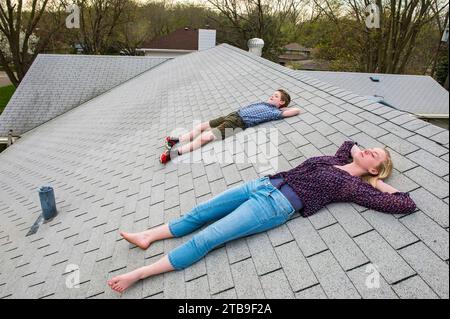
<point x="257" y="113"/>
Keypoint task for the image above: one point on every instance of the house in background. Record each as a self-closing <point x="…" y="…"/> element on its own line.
<point x="294" y="52"/>
<point x="296" y="56"/>
<point x="417" y="94"/>
<point x="180" y="42"/>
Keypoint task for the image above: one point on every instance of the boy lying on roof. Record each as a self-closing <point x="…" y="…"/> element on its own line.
<point x="275" y="108"/>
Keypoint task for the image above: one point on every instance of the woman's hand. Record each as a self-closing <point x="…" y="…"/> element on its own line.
<point x="385" y="188"/>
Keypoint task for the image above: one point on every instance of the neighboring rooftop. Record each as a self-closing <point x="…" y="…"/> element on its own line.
<point x="296" y="47"/>
<point x="56" y="83"/>
<point x="183" y="40"/>
<point x="294" y="52"/>
<point x="102" y="160"/>
<point x="417" y="94"/>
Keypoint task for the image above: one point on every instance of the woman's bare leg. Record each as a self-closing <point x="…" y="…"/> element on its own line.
<point x="195" y="132"/>
<point x="201" y="140"/>
<point x="145" y="238"/>
<point x="123" y="282"/>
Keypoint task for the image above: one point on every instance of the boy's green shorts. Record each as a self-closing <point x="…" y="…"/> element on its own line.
<point x="225" y="126"/>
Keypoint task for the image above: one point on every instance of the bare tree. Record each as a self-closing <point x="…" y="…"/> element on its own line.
<point x="18" y="24"/>
<point x="98" y="21"/>
<point x="441" y="27"/>
<point x="386" y="49"/>
<point x="132" y="33"/>
<point x="258" y="18"/>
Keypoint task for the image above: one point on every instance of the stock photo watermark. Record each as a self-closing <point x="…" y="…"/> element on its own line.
<point x="73" y="276"/>
<point x="73" y="19"/>
<point x="373" y="17"/>
<point x="256" y="146"/>
<point x="373" y="277"/>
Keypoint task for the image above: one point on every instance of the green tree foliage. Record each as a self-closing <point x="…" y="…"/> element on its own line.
<point x="334" y="29"/>
<point x="442" y="69"/>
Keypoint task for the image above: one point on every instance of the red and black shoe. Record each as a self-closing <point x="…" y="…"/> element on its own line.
<point x="170" y="142"/>
<point x="165" y="157"/>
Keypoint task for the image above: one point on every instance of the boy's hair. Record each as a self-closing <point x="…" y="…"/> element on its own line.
<point x="285" y="97"/>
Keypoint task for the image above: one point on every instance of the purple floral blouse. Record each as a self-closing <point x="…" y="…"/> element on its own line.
<point x="317" y="182"/>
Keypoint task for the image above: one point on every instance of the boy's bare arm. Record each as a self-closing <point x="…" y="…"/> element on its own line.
<point x="289" y="111"/>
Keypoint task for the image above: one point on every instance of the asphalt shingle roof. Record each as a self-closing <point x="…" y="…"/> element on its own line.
<point x="417" y="94"/>
<point x="104" y="168"/>
<point x="56" y="83"/>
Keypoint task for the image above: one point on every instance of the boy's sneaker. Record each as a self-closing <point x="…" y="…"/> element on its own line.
<point x="165" y="157"/>
<point x="170" y="142"/>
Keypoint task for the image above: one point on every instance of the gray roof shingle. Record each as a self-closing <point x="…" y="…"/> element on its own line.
<point x="56" y="83"/>
<point x="104" y="168"/>
<point x="418" y="94"/>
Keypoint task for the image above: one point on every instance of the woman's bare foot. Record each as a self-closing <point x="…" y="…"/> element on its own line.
<point x="139" y="239"/>
<point x="123" y="282"/>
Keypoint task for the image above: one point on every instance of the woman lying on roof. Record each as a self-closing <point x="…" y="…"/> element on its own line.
<point x="270" y="201"/>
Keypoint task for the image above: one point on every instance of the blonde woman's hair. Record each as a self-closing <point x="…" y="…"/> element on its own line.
<point x="384" y="171"/>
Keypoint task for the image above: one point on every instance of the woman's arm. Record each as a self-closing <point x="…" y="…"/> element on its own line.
<point x="289" y="111"/>
<point x="384" y="198"/>
<point x="386" y="188"/>
<point x="346" y="150"/>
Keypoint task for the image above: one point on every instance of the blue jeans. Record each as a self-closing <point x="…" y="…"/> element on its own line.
<point x="253" y="207"/>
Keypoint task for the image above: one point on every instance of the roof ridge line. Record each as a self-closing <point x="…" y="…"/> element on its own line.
<point x="293" y="74"/>
<point x="265" y="62"/>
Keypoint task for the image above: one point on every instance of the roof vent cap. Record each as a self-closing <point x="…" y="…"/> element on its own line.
<point x="255" y="46"/>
